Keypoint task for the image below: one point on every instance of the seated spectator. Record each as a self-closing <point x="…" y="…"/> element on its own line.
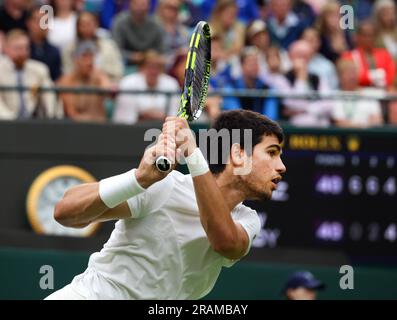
<point x="177" y="70"/>
<point x="307" y="10"/>
<point x="108" y="57"/>
<point x="194" y="11"/>
<point x="63" y="30"/>
<point x="250" y="80"/>
<point x="316" y="5"/>
<point x="318" y="64"/>
<point x="20" y="71"/>
<point x="110" y="9"/>
<point x="376" y="66"/>
<point x="151" y="106"/>
<point x="176" y="34"/>
<point x="283" y="23"/>
<point x="275" y="74"/>
<point x="386" y="26"/>
<point x="357" y="113"/>
<point x="257" y="35"/>
<point x="40" y="49"/>
<point x="334" y="40"/>
<point x="136" y="32"/>
<point x="221" y="69"/>
<point x="224" y="23"/>
<point x="302" y="285"/>
<point x="13" y="15"/>
<point x="301" y="112"/>
<point x="84" y="106"/>
<point x="220" y="77"/>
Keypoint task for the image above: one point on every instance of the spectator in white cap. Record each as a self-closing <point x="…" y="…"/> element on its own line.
<point x="257" y="35"/>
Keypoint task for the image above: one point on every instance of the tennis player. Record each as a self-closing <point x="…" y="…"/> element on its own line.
<point x="175" y="232"/>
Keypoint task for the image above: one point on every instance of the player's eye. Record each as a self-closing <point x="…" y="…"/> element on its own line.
<point x="272" y="153"/>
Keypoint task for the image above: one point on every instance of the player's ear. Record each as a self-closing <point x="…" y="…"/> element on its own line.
<point x="237" y="155"/>
<point x="241" y="161"/>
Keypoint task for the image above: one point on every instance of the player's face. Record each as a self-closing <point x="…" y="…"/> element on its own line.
<point x="267" y="168"/>
<point x="301" y="294"/>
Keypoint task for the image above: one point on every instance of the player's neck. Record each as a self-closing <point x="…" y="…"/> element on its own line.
<point x="231" y="189"/>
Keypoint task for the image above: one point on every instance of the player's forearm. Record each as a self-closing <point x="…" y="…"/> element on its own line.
<point x="80" y="206"/>
<point x="216" y="217"/>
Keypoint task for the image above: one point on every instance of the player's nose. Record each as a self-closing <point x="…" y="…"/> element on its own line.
<point x="281" y="168"/>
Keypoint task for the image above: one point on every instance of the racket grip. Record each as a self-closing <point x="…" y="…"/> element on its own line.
<point x="163" y="164"/>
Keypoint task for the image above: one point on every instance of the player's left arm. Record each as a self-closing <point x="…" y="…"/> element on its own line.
<point x="226" y="236"/>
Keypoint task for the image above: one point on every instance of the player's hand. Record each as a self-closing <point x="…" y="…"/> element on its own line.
<point x="147" y="173"/>
<point x="185" y="139"/>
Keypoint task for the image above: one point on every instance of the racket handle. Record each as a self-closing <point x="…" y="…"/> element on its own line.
<point x="163" y="164"/>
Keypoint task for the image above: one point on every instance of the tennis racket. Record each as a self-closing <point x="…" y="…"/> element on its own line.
<point x="197" y="75"/>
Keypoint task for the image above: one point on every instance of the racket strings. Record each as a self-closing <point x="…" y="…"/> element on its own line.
<point x="199" y="90"/>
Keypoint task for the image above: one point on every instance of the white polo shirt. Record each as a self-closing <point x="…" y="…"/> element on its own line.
<point x="129" y="106"/>
<point x="162" y="251"/>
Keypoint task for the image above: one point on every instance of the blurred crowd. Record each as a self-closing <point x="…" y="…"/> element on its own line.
<point x="285" y="47"/>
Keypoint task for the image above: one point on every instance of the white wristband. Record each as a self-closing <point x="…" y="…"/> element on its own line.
<point x="196" y="163"/>
<point x="120" y="188"/>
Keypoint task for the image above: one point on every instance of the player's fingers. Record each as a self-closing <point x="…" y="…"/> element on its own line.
<point x="168" y="153"/>
<point x="179" y="154"/>
<point x="165" y="146"/>
<point x="171" y="118"/>
<point x="150" y="155"/>
<point x="168" y="137"/>
<point x="169" y="128"/>
<point x="182" y="123"/>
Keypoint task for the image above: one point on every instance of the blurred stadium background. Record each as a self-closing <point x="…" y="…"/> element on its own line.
<point x="78" y="102"/>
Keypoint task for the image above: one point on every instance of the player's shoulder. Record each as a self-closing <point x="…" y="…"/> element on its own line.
<point x="242" y="211"/>
<point x="180" y="177"/>
<point x="241" y="207"/>
<point x="171" y="181"/>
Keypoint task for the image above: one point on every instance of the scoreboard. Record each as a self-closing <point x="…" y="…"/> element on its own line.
<point x="339" y="193"/>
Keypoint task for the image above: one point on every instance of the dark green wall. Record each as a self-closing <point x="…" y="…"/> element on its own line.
<point x="19" y="277"/>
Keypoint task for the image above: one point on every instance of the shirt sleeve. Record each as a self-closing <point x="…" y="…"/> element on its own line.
<point x="152" y="199"/>
<point x="251" y="223"/>
<point x="139" y="205"/>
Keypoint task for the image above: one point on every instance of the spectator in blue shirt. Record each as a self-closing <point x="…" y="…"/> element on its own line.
<point x="248" y="10"/>
<point x="250" y="80"/>
<point x="111" y="8"/>
<point x="40" y="49"/>
<point x="283" y="23"/>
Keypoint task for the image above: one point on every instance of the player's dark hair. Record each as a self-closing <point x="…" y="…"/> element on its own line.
<point x="241" y="119"/>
